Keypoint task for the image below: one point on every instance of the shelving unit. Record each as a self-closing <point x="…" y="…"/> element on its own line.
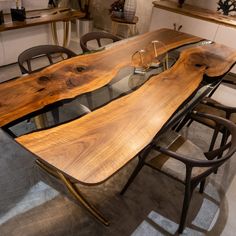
<point x="196" y="12"/>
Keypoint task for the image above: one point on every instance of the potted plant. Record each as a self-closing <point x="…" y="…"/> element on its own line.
<point x="226" y="6"/>
<point x="18" y="13"/>
<point x="117" y="8"/>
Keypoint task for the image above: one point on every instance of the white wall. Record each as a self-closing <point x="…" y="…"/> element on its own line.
<point x="209" y="4"/>
<point x="144" y="10"/>
<point x="101" y="16"/>
<point x="5" y="5"/>
<point x="35" y="4"/>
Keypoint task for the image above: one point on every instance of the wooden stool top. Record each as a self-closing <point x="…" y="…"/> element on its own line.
<point x="124" y="21"/>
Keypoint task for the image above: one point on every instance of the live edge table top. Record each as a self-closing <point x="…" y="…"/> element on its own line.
<point x="30" y="93"/>
<point x="94" y="147"/>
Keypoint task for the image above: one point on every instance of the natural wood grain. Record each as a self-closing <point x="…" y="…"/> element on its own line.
<point x="196" y="12"/>
<point x="93" y="148"/>
<point x="41" y="17"/>
<point x="63" y="81"/>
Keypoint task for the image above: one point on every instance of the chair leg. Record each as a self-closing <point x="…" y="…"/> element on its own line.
<point x="142" y="157"/>
<point x="223" y="142"/>
<point x="202" y="186"/>
<point x="186" y="203"/>
<point x="213" y="140"/>
<point x="133" y="176"/>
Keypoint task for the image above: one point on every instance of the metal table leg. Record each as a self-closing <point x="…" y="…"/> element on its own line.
<point x="40" y="121"/>
<point x="73" y="189"/>
<point x="66" y="32"/>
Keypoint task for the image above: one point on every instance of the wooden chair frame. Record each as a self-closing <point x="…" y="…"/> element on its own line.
<point x="212" y="162"/>
<point x="95" y="36"/>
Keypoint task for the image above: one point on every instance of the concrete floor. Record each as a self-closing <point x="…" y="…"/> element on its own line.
<point x="31" y="203"/>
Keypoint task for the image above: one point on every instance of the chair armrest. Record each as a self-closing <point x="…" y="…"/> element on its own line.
<point x="230" y="79"/>
<point x="211" y="155"/>
<point x="226" y="81"/>
<point x="186" y="160"/>
<point x="211" y="102"/>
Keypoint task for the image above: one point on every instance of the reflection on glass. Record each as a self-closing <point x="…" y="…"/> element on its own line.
<point x="159" y="51"/>
<point x="141" y="60"/>
<point x="154" y="44"/>
<point x="154" y="55"/>
<point x="141" y="57"/>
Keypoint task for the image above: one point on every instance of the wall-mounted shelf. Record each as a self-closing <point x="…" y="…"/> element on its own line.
<point x="39" y="17"/>
<point x="196" y="12"/>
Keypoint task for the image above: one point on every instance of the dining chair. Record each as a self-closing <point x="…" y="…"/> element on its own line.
<point x="185" y="162"/>
<point x="97" y="37"/>
<point x="29" y="63"/>
<point x="221" y="105"/>
<point x="53" y="53"/>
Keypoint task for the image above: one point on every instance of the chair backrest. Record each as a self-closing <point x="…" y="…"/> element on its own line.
<point x="219" y="155"/>
<point x="214" y="158"/>
<point x="53" y="53"/>
<point x="96" y="36"/>
<point x="225" y="151"/>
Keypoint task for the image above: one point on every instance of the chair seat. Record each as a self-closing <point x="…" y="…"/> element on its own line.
<point x="171" y="166"/>
<point x="213" y="111"/>
<point x="210" y="110"/>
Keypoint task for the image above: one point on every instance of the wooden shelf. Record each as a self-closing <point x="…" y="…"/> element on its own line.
<point x="196" y="12"/>
<point x="38" y="17"/>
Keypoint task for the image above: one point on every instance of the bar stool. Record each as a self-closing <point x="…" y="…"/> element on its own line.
<point x="131" y="25"/>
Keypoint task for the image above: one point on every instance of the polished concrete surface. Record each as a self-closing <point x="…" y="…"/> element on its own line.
<point x="33" y="203"/>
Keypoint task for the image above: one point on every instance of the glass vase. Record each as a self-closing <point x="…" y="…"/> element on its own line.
<point x="130" y="9"/>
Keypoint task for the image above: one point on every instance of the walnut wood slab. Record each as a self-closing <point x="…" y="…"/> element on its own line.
<point x="39" y="17"/>
<point x="77" y="75"/>
<point x="196" y="12"/>
<point x="93" y="148"/>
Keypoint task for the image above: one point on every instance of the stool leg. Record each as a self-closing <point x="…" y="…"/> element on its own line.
<point x="113" y="27"/>
<point x="116" y="28"/>
<point x="129" y="31"/>
<point x="133" y="30"/>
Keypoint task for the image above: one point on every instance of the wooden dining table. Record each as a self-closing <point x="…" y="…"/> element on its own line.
<point x="91" y="149"/>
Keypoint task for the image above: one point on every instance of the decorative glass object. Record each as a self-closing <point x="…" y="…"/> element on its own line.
<point x="227" y="6"/>
<point x="153" y="56"/>
<point x="130" y="9"/>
